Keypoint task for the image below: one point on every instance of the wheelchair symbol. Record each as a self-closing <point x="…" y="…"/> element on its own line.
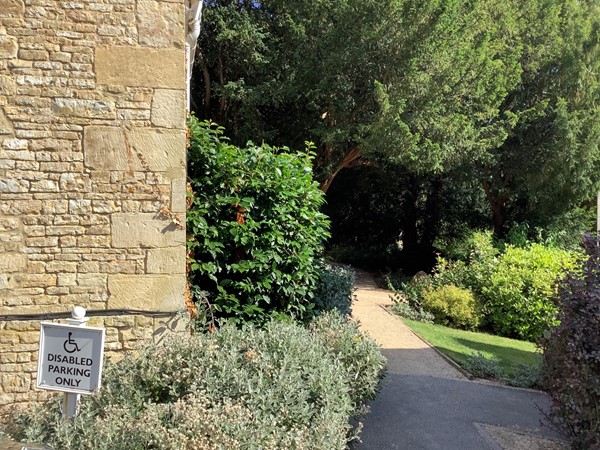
<point x="70" y="345"/>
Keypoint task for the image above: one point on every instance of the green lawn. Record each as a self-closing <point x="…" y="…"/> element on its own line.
<point x="459" y="344"/>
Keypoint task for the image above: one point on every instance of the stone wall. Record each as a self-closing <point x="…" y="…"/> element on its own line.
<point x="92" y="169"/>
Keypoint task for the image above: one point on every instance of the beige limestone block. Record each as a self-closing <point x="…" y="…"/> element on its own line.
<point x="104" y="149"/>
<point x="166" y="260"/>
<point x="24" y="357"/>
<point x="66" y="279"/>
<point x="144" y="230"/>
<point x="91" y="280"/>
<point x="32" y="280"/>
<point x="15" y="144"/>
<point x="12" y="262"/>
<point x="168" y="108"/>
<point x="33" y="55"/>
<point x="120" y="321"/>
<point x="80" y="206"/>
<point x="4" y="284"/>
<point x="14" y="186"/>
<point x="8" y="47"/>
<point x="146" y="292"/>
<point x="8" y="358"/>
<point x="9" y="223"/>
<point x="18" y="325"/>
<point x="6" y="399"/>
<point x="161" y="149"/>
<point x="178" y="195"/>
<point x="113" y="148"/>
<point x="6" y="127"/>
<point x="9" y="337"/>
<point x="44" y="186"/>
<point x="15" y="382"/>
<point x="91" y="109"/>
<point x="12" y="7"/>
<point x="141" y="66"/>
<point x="144" y="322"/>
<point x="135" y="334"/>
<point x="74" y="182"/>
<point x="61" y="266"/>
<point x="160" y="24"/>
<point x="7" y="84"/>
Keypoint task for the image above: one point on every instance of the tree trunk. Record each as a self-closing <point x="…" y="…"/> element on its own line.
<point x="498" y="206"/>
<point x="207" y="87"/>
<point x="347" y="161"/>
<point x="433" y="213"/>
<point x="410" y="232"/>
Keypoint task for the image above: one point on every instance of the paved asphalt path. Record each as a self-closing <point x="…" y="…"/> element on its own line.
<point x="426" y="403"/>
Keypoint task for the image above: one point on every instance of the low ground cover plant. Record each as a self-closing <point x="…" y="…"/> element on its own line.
<point x="404" y="309"/>
<point x="482" y="366"/>
<point x="281" y="386"/>
<point x="571" y="370"/>
<point x="255" y="230"/>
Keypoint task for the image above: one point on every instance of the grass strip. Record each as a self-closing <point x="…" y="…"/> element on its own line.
<point x="460" y="344"/>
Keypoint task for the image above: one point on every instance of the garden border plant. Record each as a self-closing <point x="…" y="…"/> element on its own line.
<point x="255" y="230"/>
<point x="514" y="289"/>
<point x="279" y="386"/>
<point x="571" y="370"/>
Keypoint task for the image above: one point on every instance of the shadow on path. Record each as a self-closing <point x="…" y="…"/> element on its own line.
<point x="425" y="412"/>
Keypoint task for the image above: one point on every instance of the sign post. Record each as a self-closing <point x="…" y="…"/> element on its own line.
<point x="70" y="359"/>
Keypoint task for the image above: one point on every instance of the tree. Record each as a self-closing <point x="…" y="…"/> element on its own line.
<point x="419" y="81"/>
<point x="500" y="90"/>
<point x="549" y="161"/>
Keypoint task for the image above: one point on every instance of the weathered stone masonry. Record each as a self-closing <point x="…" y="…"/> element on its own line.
<point x="92" y="169"/>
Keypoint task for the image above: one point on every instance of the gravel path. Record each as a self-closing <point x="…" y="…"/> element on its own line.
<point x="391" y="334"/>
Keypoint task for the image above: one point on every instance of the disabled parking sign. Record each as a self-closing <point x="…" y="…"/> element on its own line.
<point x="70" y="358"/>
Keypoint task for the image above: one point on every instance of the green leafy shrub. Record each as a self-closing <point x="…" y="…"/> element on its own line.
<point x="281" y="386"/>
<point x="409" y="291"/>
<point x="514" y="287"/>
<point x="334" y="289"/>
<point x="405" y="310"/>
<point x="394" y="281"/>
<point x="255" y="230"/>
<point x="451" y="305"/>
<point x="407" y="295"/>
<point x="472" y="272"/>
<point x="571" y="369"/>
<point x="518" y="296"/>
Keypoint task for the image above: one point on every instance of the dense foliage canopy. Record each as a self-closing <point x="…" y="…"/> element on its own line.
<point x="493" y="101"/>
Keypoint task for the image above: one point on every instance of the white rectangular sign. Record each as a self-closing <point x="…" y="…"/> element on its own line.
<point x="70" y="358"/>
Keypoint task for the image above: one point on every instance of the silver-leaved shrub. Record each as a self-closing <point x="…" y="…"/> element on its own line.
<point x="280" y="386"/>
